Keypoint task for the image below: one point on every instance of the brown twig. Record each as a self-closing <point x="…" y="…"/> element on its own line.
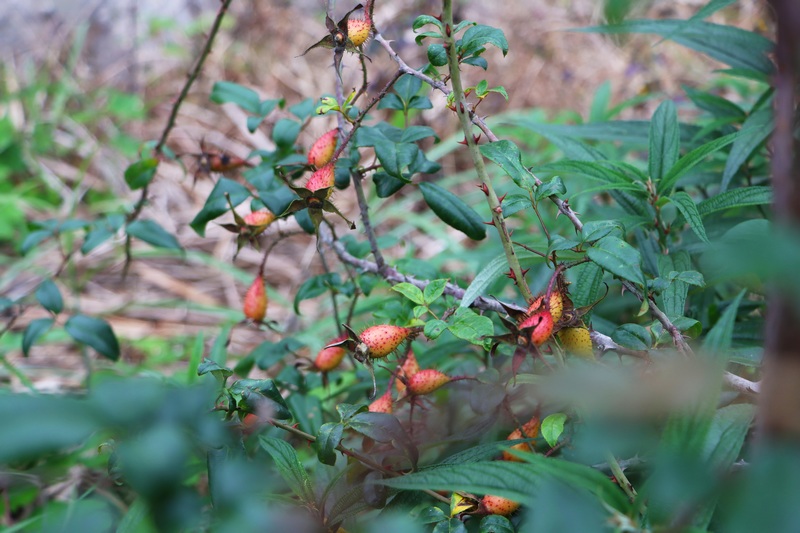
<point x="159" y="147"/>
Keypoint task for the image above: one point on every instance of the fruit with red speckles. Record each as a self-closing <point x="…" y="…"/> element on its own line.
<point x="321" y="152"/>
<point x="260" y="218"/>
<point x="382" y="404"/>
<point x="255" y="300"/>
<point x="541" y="326"/>
<point x="427" y="381"/>
<point x="556" y="305"/>
<point x="322" y="178"/>
<point x="407" y="371"/>
<point x="358" y="31"/>
<point x="577" y="341"/>
<point x="329" y="357"/>
<point x="382" y="340"/>
<point x="498" y="505"/>
<point x="529" y="431"/>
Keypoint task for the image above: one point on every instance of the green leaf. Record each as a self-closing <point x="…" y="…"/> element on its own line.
<point x="692" y="277"/>
<point x="730" y="45"/>
<point x="386" y="185"/>
<point x="692" y="159"/>
<point x="212" y="367"/>
<point x="152" y="233"/>
<point x="437" y="55"/>
<point x="285" y="133"/>
<point x="412" y="292"/>
<point x="597" y="229"/>
<point x="745" y="196"/>
<point x="755" y="130"/>
<point x="549" y="188"/>
<point x="514" y="480"/>
<point x="434" y="290"/>
<point x="261" y="394"/>
<point x="94" y="332"/>
<point x="507" y="155"/>
<point x="470" y="326"/>
<point x="664" y="140"/>
<point x="328" y="438"/>
<point x="246" y="98"/>
<point x="632" y="336"/>
<point x="453" y="211"/>
<point x="602" y="171"/>
<point x="618" y="257"/>
<point x="588" y="280"/>
<point x="382" y="427"/>
<point x="216" y="203"/>
<point x="422" y="20"/>
<point x="316" y="286"/>
<point x="674" y="297"/>
<point x="477" y="37"/>
<point x="35" y="329"/>
<point x="553" y="427"/>
<point x="434" y="328"/>
<point x="139" y="174"/>
<point x="688" y="209"/>
<point x="49" y="296"/>
<point x="290" y="468"/>
<point x="718" y="339"/>
<point x="496" y="524"/>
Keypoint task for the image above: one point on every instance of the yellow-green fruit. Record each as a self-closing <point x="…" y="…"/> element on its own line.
<point x="358" y="31"/>
<point x="556" y="305"/>
<point x="577" y="341"/>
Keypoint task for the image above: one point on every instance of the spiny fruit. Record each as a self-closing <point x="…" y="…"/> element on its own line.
<point x="541" y="323"/>
<point x="329" y="358"/>
<point x="383" y="339"/>
<point x="497" y="505"/>
<point x="529" y="431"/>
<point x="321" y="152"/>
<point x="426" y="381"/>
<point x="358" y="31"/>
<point x="556" y="305"/>
<point x="255" y="300"/>
<point x="382" y="404"/>
<point x="322" y="178"/>
<point x="259" y="218"/>
<point x="407" y="371"/>
<point x="577" y="341"/>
